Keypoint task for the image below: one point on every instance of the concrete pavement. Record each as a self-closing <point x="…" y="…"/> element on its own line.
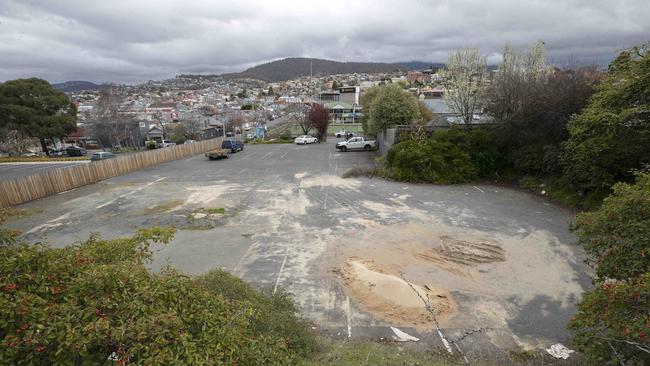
<point x="498" y="258"/>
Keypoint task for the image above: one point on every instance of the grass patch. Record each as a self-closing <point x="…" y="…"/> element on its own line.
<point x="8" y="236"/>
<point x="216" y="210"/>
<point x="27" y="159"/>
<point x="7" y="213"/>
<point x="365" y="172"/>
<point x="163" y="207"/>
<point x="354" y="353"/>
<point x="553" y="188"/>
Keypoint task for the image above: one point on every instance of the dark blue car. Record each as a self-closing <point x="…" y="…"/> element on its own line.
<point x="232" y="144"/>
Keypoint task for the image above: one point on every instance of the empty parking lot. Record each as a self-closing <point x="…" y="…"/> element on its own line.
<point x="281" y="216"/>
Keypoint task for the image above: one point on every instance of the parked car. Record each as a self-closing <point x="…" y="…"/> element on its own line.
<point x="166" y="143"/>
<point x="233" y="145"/>
<point x="305" y="139"/>
<point x="345" y="134"/>
<point x="101" y="155"/>
<point x="218" y="154"/>
<point x="356" y="143"/>
<point x="75" y="151"/>
<point x="230" y="134"/>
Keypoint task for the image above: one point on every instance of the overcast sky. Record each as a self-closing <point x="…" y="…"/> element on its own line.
<point x="137" y="40"/>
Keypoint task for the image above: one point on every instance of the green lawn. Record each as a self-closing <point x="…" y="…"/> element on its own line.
<point x="332" y="129"/>
<point x="23" y="159"/>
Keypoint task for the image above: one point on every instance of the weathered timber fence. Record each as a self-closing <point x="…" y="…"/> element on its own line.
<point x="25" y="189"/>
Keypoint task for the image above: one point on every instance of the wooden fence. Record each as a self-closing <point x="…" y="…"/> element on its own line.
<point x="25" y="189"/>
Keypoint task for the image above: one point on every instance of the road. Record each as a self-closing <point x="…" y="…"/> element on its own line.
<point x="17" y="170"/>
<point x="489" y="256"/>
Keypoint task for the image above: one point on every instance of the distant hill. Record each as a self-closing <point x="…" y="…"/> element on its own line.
<point x="291" y="68"/>
<point x="76" y="86"/>
<point x="419" y="65"/>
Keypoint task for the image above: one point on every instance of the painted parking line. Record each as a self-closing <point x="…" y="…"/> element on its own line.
<point x="348" y="311"/>
<point x="132" y="192"/>
<point x="51" y="223"/>
<point x="277" y="281"/>
<point x="480" y="190"/>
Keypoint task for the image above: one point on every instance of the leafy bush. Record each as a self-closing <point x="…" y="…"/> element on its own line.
<point x="275" y="316"/>
<point x="614" y="316"/>
<point x="617" y="236"/>
<point x="80" y="304"/>
<point x="286" y="135"/>
<point x="448" y="156"/>
<point x="430" y="161"/>
<point x="152" y="145"/>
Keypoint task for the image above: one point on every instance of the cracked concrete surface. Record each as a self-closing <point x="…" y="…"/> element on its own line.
<point x="504" y="258"/>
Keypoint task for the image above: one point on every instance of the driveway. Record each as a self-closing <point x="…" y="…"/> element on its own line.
<point x="281" y="216"/>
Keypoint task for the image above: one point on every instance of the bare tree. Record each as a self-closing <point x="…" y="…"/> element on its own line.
<point x="235" y="122"/>
<point x="12" y="141"/>
<point x="517" y="81"/>
<point x="193" y="127"/>
<point x="465" y="80"/>
<point x="110" y="126"/>
<point x="319" y="119"/>
<point x="300" y="116"/>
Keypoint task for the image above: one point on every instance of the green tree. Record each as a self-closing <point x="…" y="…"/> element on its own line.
<point x="366" y="101"/>
<point x="392" y="106"/>
<point x="34" y="108"/>
<point x="179" y="134"/>
<point x="270" y="92"/>
<point x="335" y="85"/>
<point x="611" y="136"/>
<point x="612" y="321"/>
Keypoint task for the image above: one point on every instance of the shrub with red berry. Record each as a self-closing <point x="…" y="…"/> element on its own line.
<point x="615" y="315"/>
<point x="93" y="302"/>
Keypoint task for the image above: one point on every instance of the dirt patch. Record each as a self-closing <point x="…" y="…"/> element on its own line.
<point x="389" y="297"/>
<point x="470" y="252"/>
<point x="163" y="207"/>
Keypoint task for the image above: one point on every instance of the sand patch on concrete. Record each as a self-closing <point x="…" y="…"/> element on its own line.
<point x="491" y="266"/>
<point x="330" y="181"/>
<point x="390" y="298"/>
<point x="206" y="194"/>
<point x="292" y="201"/>
<point x="300" y="175"/>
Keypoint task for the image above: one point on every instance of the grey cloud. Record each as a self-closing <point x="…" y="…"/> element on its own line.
<point x="137" y="40"/>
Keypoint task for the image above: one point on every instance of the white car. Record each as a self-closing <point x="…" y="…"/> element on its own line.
<point x="305" y="139"/>
<point x="344" y="133"/>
